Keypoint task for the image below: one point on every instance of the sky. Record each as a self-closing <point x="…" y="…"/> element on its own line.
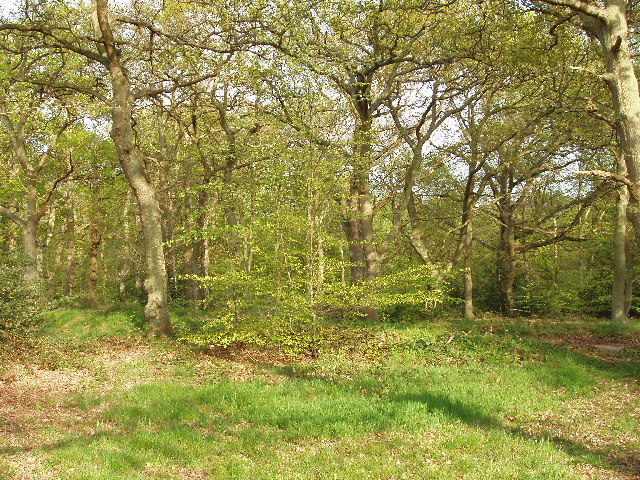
<point x="7" y="6"/>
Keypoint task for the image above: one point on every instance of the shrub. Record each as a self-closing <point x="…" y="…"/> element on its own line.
<point x="254" y="311"/>
<point x="19" y="303"/>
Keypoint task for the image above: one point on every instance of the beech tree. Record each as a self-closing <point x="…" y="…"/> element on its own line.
<point x="609" y="24"/>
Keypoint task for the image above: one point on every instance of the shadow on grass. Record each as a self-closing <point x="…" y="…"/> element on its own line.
<point x="576" y="372"/>
<point x="618" y="458"/>
<point x="51" y="446"/>
<point x="551" y="353"/>
<point x="160" y="424"/>
<point x="254" y="415"/>
<point x="453" y="409"/>
<point x="563" y="368"/>
<point x="577" y="341"/>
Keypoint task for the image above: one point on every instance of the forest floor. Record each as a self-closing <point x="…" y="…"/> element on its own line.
<point x="85" y="396"/>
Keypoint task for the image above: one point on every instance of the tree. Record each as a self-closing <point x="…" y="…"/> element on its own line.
<point x="622" y="261"/>
<point x="33" y="120"/>
<point x="372" y="57"/>
<point x="609" y="25"/>
<point x="102" y="50"/>
<point x="156" y="310"/>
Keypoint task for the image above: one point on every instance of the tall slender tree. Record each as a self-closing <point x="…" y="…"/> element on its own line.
<point x="33" y="121"/>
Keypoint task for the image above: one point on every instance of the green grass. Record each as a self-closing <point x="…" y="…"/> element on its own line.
<point x="75" y="328"/>
<point x="489" y="399"/>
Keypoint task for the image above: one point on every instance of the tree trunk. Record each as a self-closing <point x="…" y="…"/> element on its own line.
<point x="618" y="314"/>
<point x="363" y="199"/>
<point x="156" y="311"/>
<point x="623" y="84"/>
<point x="468" y="203"/>
<point x="29" y="226"/>
<point x="351" y="228"/>
<point x="468" y="276"/>
<point x="343" y="272"/>
<point x="247" y="238"/>
<point x="372" y="267"/>
<point x="190" y="284"/>
<point x="628" y="290"/>
<point x="125" y="260"/>
<point x="194" y="253"/>
<point x="507" y="258"/>
<point x="164" y="199"/>
<point x="356" y="253"/>
<point x="47" y="235"/>
<point x="71" y="245"/>
<point x="30" y="235"/>
<point x="363" y="261"/>
<point x="415" y="234"/>
<point x="95" y="241"/>
<point x="168" y="226"/>
<point x="609" y="24"/>
<point x="357" y="211"/>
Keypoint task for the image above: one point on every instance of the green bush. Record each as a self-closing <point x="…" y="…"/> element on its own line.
<point x="293" y="336"/>
<point x="19" y="303"/>
<point x="413" y="291"/>
<point x="249" y="310"/>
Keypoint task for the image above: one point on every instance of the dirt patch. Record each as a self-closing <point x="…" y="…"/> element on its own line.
<point x="609" y="349"/>
<point x="32" y="399"/>
<point x="32" y="402"/>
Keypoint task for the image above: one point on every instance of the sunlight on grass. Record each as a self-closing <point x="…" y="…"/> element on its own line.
<point x="76" y="327"/>
<point x="329" y="426"/>
<point x="303" y="429"/>
<point x="407" y="401"/>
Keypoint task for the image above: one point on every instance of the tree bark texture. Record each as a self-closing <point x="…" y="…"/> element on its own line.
<point x="628" y="290"/>
<point x="507" y="257"/>
<point x="358" y="226"/>
<point x="468" y="274"/>
<point x="620" y="240"/>
<point x="618" y="313"/>
<point x="30" y="234"/>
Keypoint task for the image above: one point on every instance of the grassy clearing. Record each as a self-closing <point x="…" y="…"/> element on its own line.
<point x="489" y="399"/>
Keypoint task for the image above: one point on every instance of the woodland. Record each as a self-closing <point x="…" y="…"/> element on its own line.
<point x="329" y="157"/>
<point x="321" y="228"/>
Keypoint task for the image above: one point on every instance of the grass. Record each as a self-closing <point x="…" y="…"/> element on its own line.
<point x="448" y="399"/>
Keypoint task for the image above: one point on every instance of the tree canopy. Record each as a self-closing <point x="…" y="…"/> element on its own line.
<point x="276" y="162"/>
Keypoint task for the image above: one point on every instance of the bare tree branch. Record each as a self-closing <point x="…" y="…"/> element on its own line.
<point x="634" y="191"/>
<point x="43" y="208"/>
<point x="13" y="216"/>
